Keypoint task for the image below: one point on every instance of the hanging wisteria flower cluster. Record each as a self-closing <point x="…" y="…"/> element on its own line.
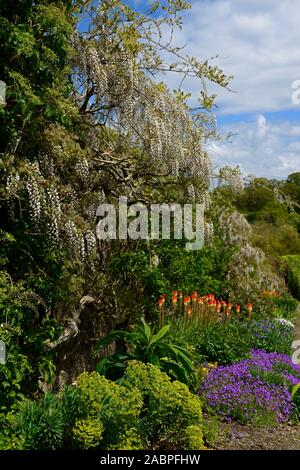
<point x="46" y="207"/>
<point x="248" y="271"/>
<point x="113" y="70"/>
<point x="235" y="228"/>
<point x="34" y="198"/>
<point x="232" y="178"/>
<point x="133" y="132"/>
<point x="75" y="239"/>
<point x="208" y="232"/>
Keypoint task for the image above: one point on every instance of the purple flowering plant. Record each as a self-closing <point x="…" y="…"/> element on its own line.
<point x="271" y="336"/>
<point x="255" y="390"/>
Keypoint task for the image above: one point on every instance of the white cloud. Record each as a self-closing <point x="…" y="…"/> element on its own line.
<point x="258" y="43"/>
<point x="262" y="127"/>
<point x="260" y="147"/>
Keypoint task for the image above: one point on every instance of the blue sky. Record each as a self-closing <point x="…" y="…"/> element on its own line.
<point x="258" y="42"/>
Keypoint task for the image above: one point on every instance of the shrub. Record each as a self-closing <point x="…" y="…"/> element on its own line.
<point x="171" y="417"/>
<point x="146" y="411"/>
<point x="256" y="390"/>
<point x="286" y="306"/>
<point x="275" y="306"/>
<point x="70" y="401"/>
<point x="116" y="407"/>
<point x="224" y="342"/>
<point x="296" y="400"/>
<point x="95" y="412"/>
<point x="232" y="340"/>
<point x="10" y="438"/>
<point x="199" y="269"/>
<point x="46" y="423"/>
<point x="210" y="430"/>
<point x="193" y="438"/>
<point x="41" y="423"/>
<point x="271" y="336"/>
<point x="291" y="269"/>
<point x="87" y="433"/>
<point x="23" y="336"/>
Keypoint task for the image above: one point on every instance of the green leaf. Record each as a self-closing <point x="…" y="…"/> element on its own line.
<point x="161" y="334"/>
<point x="147" y="330"/>
<point x="178" y="371"/>
<point x="295" y="389"/>
<point x="113" y="336"/>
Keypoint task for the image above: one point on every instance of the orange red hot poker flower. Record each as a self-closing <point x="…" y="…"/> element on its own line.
<point x="189" y="304"/>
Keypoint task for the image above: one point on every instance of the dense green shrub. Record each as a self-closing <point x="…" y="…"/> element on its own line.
<point x="146" y="411"/>
<point x="286" y="306"/>
<point x="10" y="437"/>
<point x="291" y="269"/>
<point x="271" y="336"/>
<point x="211" y="427"/>
<point x="275" y="306"/>
<point x="95" y="413"/>
<point x="87" y="433"/>
<point x="202" y="270"/>
<point x="232" y="340"/>
<point x="176" y="268"/>
<point x="115" y="406"/>
<point x="224" y="342"/>
<point x="26" y="356"/>
<point x="171" y="417"/>
<point x="41" y="423"/>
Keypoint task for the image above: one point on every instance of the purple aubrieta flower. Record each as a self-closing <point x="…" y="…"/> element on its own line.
<point x="263" y="328"/>
<point x="242" y="390"/>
